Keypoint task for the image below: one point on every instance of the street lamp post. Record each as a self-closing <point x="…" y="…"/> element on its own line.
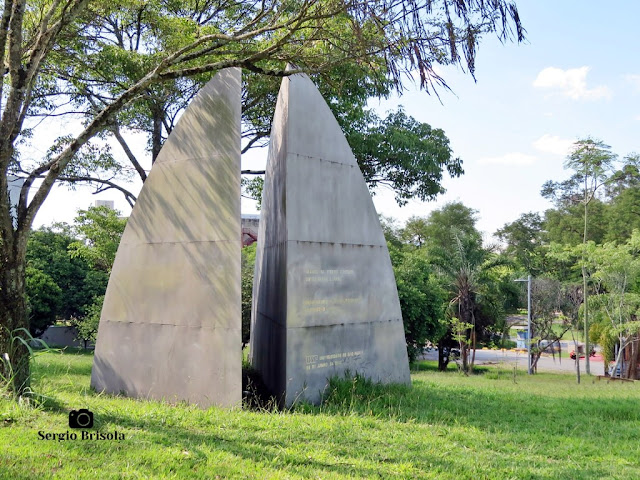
<point x="528" y="280"/>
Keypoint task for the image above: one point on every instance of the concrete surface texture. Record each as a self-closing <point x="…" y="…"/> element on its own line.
<point x="170" y="325"/>
<point x="325" y="299"/>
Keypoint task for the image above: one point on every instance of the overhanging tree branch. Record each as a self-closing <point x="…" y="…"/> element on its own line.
<point x="107" y="185"/>
<point x="132" y="158"/>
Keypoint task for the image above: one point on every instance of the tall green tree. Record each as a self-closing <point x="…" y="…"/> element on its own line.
<point x="454" y="246"/>
<point x="54" y="51"/>
<point x="591" y="162"/>
<point x="524" y="239"/>
<point x="422" y="299"/>
<point x="465" y="272"/>
<point x="58" y="285"/>
<point x="99" y="231"/>
<point x="617" y="278"/>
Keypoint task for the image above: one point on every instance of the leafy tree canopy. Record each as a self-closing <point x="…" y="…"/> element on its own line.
<point x="523" y="238"/>
<point x="108" y="61"/>
<point x="100" y="230"/>
<point x="58" y="286"/>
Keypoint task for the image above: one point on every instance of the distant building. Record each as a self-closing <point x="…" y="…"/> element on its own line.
<point x="105" y="203"/>
<point x="249" y="224"/>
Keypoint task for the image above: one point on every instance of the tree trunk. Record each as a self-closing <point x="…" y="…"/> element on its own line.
<point x="619" y="358"/>
<point x="473" y="355"/>
<point x="534" y="362"/>
<point x="156" y="136"/>
<point x="443" y="360"/>
<point x="587" y="349"/>
<point x="587" y="367"/>
<point x="633" y="360"/>
<point x="464" y="353"/>
<point x="13" y="316"/>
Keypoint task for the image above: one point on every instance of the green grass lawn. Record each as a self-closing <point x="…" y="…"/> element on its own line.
<point x="446" y="426"/>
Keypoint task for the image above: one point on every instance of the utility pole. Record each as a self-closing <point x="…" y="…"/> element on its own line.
<point x="528" y="280"/>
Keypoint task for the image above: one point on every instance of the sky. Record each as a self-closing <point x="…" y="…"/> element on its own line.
<point x="576" y="75"/>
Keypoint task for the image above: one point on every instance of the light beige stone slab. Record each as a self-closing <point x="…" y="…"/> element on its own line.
<point x="170" y="326"/>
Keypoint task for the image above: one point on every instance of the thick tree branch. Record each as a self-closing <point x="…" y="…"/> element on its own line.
<point x="4" y="32"/>
<point x="15" y="43"/>
<point x="10" y="114"/>
<point x="25" y="217"/>
<point x="129" y="197"/>
<point x="132" y="158"/>
<point x="257" y="137"/>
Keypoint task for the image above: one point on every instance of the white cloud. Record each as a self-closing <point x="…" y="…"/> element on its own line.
<point x="571" y="83"/>
<point x="515" y="159"/>
<point x="553" y="144"/>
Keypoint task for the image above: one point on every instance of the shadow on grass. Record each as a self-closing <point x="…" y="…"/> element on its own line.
<point x="507" y="414"/>
<point x="269" y="449"/>
<point x="272" y="450"/>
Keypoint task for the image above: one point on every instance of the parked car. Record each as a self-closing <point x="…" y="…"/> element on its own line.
<point x="572" y="354"/>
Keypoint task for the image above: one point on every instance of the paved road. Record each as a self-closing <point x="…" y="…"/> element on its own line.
<point x="510" y="358"/>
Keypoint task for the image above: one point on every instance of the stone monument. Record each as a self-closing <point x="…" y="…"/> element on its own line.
<point x="170" y="326"/>
<point x="324" y="297"/>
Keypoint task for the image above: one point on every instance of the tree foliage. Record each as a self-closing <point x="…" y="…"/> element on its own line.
<point x="248" y="261"/>
<point x="588" y="236"/>
<point x="421" y="299"/>
<point x="59" y="286"/>
<point x="106" y="62"/>
<point x="44" y="297"/>
<point x="405" y="155"/>
<point x="591" y="162"/>
<point x="466" y="272"/>
<point x="99" y="230"/>
<point x="524" y="238"/>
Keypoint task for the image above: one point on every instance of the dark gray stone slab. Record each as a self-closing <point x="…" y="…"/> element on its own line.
<point x="325" y="298"/>
<point x="170" y="326"/>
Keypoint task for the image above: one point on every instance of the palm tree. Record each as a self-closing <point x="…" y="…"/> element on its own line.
<point x="466" y="268"/>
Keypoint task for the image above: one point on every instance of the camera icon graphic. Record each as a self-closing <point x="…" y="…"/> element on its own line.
<point x="82" y="418"/>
